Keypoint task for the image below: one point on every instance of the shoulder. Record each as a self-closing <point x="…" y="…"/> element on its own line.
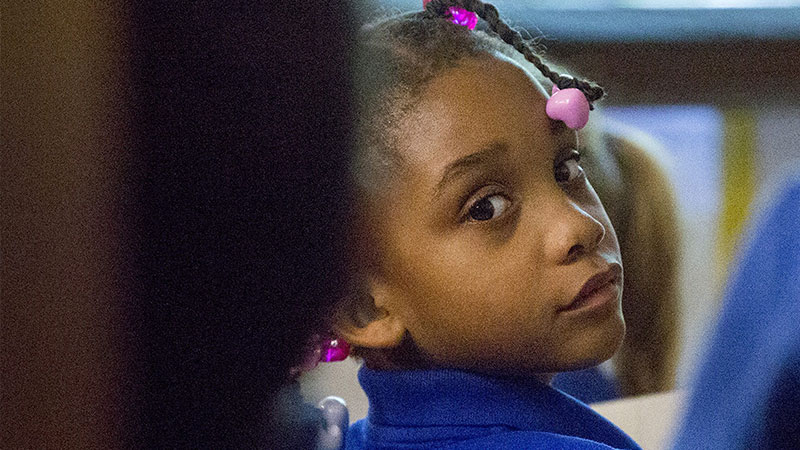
<point x="530" y="439"/>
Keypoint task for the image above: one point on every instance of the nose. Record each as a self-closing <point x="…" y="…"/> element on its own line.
<point x="573" y="233"/>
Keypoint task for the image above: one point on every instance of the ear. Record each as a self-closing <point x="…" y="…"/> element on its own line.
<point x="368" y="323"/>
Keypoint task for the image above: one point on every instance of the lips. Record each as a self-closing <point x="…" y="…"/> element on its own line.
<point x="597" y="289"/>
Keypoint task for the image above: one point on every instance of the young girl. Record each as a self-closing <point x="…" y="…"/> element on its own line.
<point x="484" y="260"/>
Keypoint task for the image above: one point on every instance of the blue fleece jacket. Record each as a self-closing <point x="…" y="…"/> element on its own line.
<point x="461" y="410"/>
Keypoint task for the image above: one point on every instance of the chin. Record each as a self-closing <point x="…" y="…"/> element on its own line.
<point x="595" y="347"/>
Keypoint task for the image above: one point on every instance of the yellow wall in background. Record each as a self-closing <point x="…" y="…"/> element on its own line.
<point x="738" y="182"/>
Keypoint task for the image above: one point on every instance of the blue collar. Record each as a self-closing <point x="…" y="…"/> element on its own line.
<point x="452" y="398"/>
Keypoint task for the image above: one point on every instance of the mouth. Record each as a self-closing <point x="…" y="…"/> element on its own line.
<point x="601" y="289"/>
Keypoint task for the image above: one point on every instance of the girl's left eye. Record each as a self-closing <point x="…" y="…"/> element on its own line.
<point x="488" y="208"/>
<point x="569" y="169"/>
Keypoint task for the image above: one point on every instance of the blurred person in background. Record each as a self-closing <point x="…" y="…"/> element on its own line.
<point x="746" y="393"/>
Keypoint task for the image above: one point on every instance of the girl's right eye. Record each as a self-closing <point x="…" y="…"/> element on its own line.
<point x="488" y="208"/>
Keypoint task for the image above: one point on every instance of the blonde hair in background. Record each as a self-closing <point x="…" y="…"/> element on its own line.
<point x="631" y="181"/>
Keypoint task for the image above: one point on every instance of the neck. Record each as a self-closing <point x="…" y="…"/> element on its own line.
<point x="383" y="361"/>
<point x="407" y="356"/>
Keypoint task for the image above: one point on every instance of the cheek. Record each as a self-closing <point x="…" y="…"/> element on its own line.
<point x="469" y="303"/>
<point x="499" y="279"/>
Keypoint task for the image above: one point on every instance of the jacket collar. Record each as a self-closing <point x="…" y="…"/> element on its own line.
<point x="443" y="397"/>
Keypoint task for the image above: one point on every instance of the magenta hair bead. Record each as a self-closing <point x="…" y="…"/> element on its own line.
<point x="459" y="16"/>
<point x="569" y="106"/>
<point x="335" y="350"/>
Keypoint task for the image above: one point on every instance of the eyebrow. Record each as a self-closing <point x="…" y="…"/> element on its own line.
<point x="462" y="165"/>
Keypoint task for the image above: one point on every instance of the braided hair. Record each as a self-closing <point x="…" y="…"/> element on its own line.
<point x="488" y="12"/>
<point x="398" y="55"/>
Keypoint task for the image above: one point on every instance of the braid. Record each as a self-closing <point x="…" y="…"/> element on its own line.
<point x="489" y="13"/>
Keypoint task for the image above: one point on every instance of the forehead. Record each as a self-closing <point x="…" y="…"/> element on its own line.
<point x="482" y="101"/>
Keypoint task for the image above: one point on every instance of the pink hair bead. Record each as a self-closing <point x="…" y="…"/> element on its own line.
<point x="334" y="350"/>
<point x="459" y="16"/>
<point x="569" y="106"/>
<point x="322" y="349"/>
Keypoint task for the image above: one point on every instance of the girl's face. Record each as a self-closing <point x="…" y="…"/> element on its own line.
<point x="490" y="232"/>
